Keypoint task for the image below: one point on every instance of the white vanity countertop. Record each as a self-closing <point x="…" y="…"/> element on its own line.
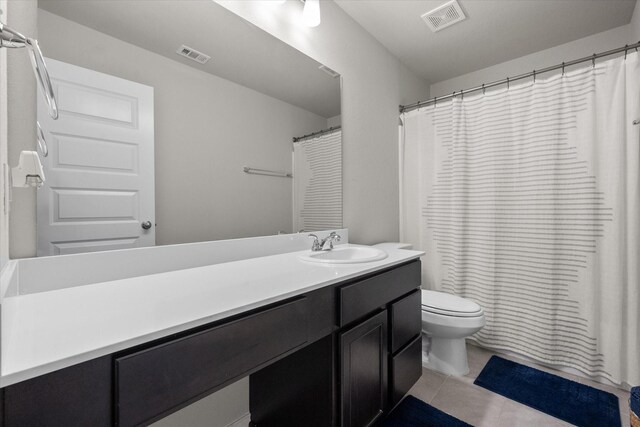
<point x="47" y="331"/>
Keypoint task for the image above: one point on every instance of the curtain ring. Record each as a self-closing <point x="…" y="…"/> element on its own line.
<point x="483" y="88"/>
<point x="593" y="61"/>
<point x="563" y="68"/>
<point x="507" y="83"/>
<point x="435" y="101"/>
<point x="461" y="95"/>
<point x="626" y="48"/>
<point x="534" y="76"/>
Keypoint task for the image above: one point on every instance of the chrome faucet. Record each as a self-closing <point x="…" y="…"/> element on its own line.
<point x="318" y="244"/>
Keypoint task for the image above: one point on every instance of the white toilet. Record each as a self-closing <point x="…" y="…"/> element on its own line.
<point x="446" y="321"/>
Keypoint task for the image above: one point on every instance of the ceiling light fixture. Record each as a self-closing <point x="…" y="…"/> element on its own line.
<point x="311" y="13"/>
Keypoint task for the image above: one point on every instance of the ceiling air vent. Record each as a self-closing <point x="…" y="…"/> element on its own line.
<point x="193" y="54"/>
<point x="444" y="16"/>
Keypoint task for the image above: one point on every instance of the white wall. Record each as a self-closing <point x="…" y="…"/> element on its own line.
<point x="334" y="121"/>
<point x="412" y="89"/>
<point x="634" y="25"/>
<point x="219" y="409"/>
<point x="21" y="130"/>
<point x="4" y="189"/>
<point x="374" y="84"/>
<point x="586" y="46"/>
<point x="206" y="130"/>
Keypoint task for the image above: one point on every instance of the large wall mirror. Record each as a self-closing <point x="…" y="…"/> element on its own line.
<point x="176" y="124"/>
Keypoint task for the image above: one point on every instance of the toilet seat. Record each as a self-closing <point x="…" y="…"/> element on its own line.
<point x="446" y="304"/>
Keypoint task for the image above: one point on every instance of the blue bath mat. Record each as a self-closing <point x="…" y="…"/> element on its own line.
<point x="567" y="400"/>
<point x="412" y="412"/>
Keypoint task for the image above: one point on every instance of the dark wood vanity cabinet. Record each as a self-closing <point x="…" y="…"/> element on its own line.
<point x="76" y="396"/>
<point x="405" y="345"/>
<point x="342" y="355"/>
<point x="160" y="379"/>
<point x="377" y="358"/>
<point x="363" y="372"/>
<point x="359" y="299"/>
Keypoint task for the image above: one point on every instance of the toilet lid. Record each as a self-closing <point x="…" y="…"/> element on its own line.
<point x="448" y="304"/>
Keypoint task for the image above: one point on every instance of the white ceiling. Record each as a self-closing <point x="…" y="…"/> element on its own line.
<point x="240" y="51"/>
<point x="494" y="31"/>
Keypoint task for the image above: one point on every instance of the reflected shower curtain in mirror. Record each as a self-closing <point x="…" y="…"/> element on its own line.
<point x="527" y="201"/>
<point x="317" y="182"/>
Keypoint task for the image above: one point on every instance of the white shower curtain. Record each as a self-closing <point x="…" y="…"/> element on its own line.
<point x="317" y="182"/>
<point x="527" y="201"/>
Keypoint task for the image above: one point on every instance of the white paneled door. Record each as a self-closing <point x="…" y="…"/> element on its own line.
<point x="99" y="189"/>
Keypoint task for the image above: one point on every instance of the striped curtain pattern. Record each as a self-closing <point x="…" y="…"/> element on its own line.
<point x="317" y="181"/>
<point x="528" y="205"/>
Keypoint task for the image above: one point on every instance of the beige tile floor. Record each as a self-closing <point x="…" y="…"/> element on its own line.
<point x="480" y="407"/>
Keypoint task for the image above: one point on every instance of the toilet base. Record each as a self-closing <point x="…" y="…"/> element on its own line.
<point x="445" y="355"/>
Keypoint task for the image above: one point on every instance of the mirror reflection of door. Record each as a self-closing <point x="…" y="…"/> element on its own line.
<point x="99" y="190"/>
<point x="207" y="123"/>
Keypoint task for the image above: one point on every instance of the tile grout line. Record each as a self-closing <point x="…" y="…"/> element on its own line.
<point x="439" y="388"/>
<point x="504" y="403"/>
<point x="504" y="399"/>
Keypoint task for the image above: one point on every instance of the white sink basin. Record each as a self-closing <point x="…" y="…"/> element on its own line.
<point x="345" y="255"/>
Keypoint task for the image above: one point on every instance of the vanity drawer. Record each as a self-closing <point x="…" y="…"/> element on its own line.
<point x="406" y="369"/>
<point x="361" y="298"/>
<point x="164" y="378"/>
<point x="406" y="319"/>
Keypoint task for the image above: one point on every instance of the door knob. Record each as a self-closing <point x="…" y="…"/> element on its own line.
<point x="146" y="225"/>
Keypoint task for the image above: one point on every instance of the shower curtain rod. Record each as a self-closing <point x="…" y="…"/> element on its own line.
<point x="320" y="132"/>
<point x="534" y="73"/>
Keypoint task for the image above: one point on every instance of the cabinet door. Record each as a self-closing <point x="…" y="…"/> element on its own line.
<point x="363" y="374"/>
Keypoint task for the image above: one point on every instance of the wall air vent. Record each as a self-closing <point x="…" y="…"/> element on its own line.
<point x="444" y="16"/>
<point x="193" y="54"/>
<point x="329" y="71"/>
